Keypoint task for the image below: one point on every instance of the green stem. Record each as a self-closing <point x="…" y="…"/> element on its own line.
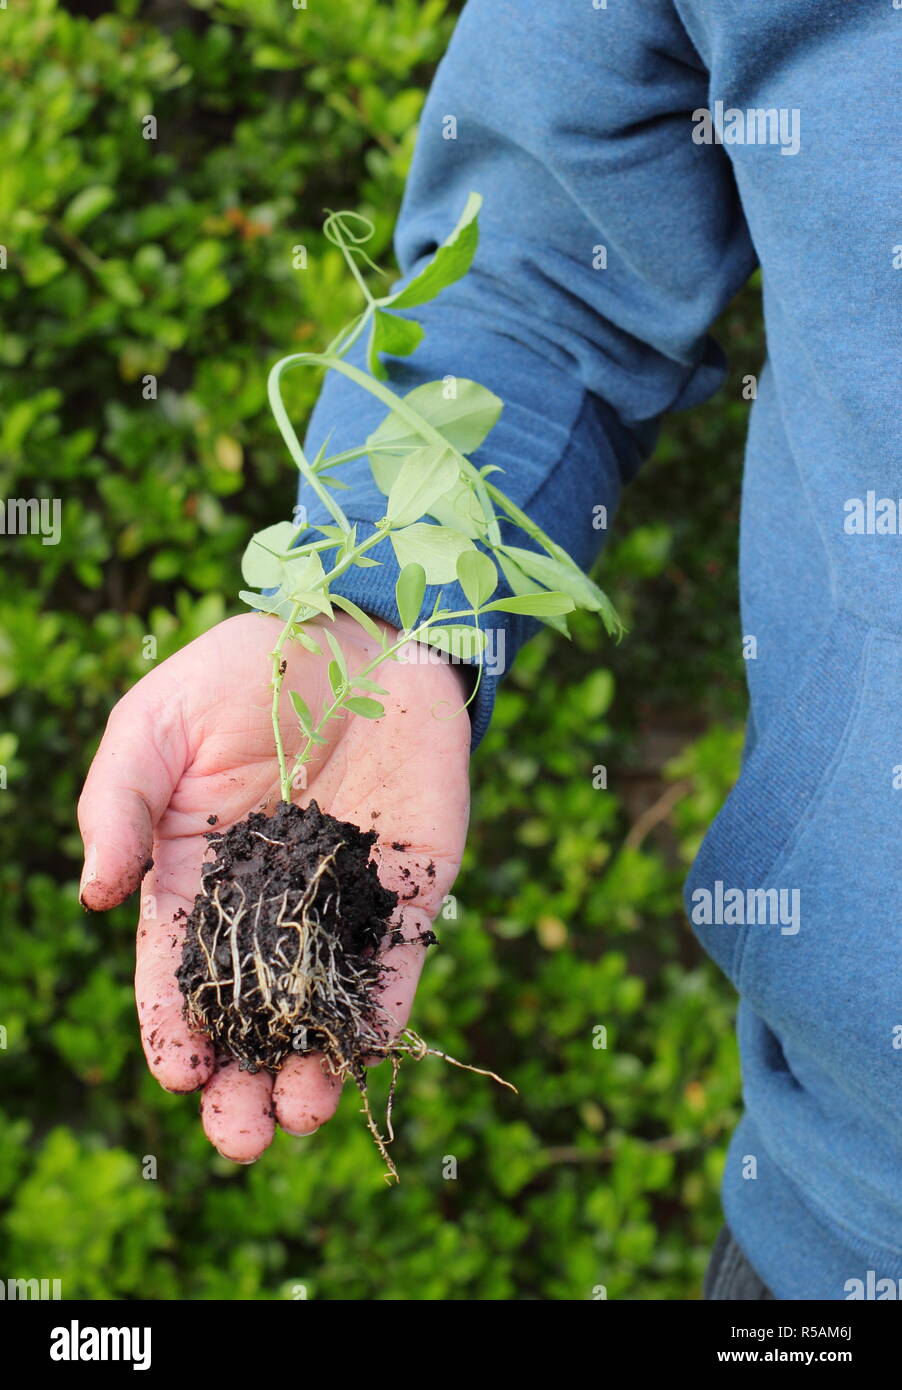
<point x="427" y="432"/>
<point x="342" y="344"/>
<point x="348" y="455"/>
<point x="385" y="655"/>
<point x="278" y="676"/>
<point x="395" y="403"/>
<point x="292" y="442"/>
<point x="355" y="271"/>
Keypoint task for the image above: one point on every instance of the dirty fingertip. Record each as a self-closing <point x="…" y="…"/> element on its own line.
<point x="304" y="1096"/>
<point x="237" y="1113"/>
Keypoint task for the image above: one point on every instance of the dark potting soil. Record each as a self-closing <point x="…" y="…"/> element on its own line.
<point x="280" y="946"/>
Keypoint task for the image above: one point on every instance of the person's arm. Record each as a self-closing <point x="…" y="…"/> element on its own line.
<point x="609" y="242"/>
<point x="574" y="125"/>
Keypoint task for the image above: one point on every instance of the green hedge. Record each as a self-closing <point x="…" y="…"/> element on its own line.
<point x="173" y="258"/>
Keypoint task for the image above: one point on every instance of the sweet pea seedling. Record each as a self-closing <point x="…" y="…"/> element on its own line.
<point x="271" y="965"/>
<point x="441" y="515"/>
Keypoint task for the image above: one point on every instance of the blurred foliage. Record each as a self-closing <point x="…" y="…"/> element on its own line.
<point x="173" y="258"/>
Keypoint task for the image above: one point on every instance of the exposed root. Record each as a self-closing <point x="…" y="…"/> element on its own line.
<point x="276" y="964"/>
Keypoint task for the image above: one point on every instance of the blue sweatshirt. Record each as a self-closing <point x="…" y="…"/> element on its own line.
<point x="637" y="161"/>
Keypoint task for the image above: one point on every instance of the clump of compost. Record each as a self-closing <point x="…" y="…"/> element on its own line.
<point x="281" y="949"/>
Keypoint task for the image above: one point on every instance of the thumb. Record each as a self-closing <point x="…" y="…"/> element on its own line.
<point x="131" y="780"/>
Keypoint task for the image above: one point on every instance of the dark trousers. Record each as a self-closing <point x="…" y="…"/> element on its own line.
<point x="729" y="1274"/>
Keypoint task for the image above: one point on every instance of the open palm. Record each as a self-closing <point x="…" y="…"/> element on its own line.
<point x="194" y="740"/>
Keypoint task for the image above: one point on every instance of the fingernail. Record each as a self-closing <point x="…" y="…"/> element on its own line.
<point x="299" y="1133"/>
<point x="89" y="873"/>
<point x="243" y="1161"/>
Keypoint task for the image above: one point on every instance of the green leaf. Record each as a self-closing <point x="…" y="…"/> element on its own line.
<point x="303" y="580"/>
<point x="461" y="509"/>
<point x="478" y="576"/>
<point x="562" y="573"/>
<point x="303" y="568"/>
<point x="318" y="602"/>
<point x="302" y="711"/>
<point x="337" y="652"/>
<point x="519" y="583"/>
<point x="596" y="600"/>
<point x="544" y="604"/>
<point x="272" y="55"/>
<point x="363" y="683"/>
<point x="359" y="616"/>
<point x="451" y="261"/>
<point x="436" y="548"/>
<point x="362" y="704"/>
<point x="459" y="640"/>
<point x="118" y="282"/>
<point x="261" y="563"/>
<point x="409" y="592"/>
<point x="336" y="679"/>
<point x="424" y="476"/>
<point x="86" y="205"/>
<point x="394" y="335"/>
<point x="321" y="462"/>
<point x="307" y="641"/>
<point x="276" y="604"/>
<point x="461" y="410"/>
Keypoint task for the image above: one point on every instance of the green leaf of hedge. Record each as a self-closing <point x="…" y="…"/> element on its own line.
<point x="89" y="203"/>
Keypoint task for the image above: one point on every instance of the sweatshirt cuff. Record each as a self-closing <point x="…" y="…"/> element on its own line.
<point x="563" y="455"/>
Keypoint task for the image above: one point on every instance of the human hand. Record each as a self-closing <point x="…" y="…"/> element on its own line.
<point x="194" y="739"/>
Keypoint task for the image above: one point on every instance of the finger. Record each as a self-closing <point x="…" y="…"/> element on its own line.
<point x="180" y="1060"/>
<point x="237" y="1112"/>
<point x="304" y="1095"/>
<point x="402" y="965"/>
<point x="141" y="756"/>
